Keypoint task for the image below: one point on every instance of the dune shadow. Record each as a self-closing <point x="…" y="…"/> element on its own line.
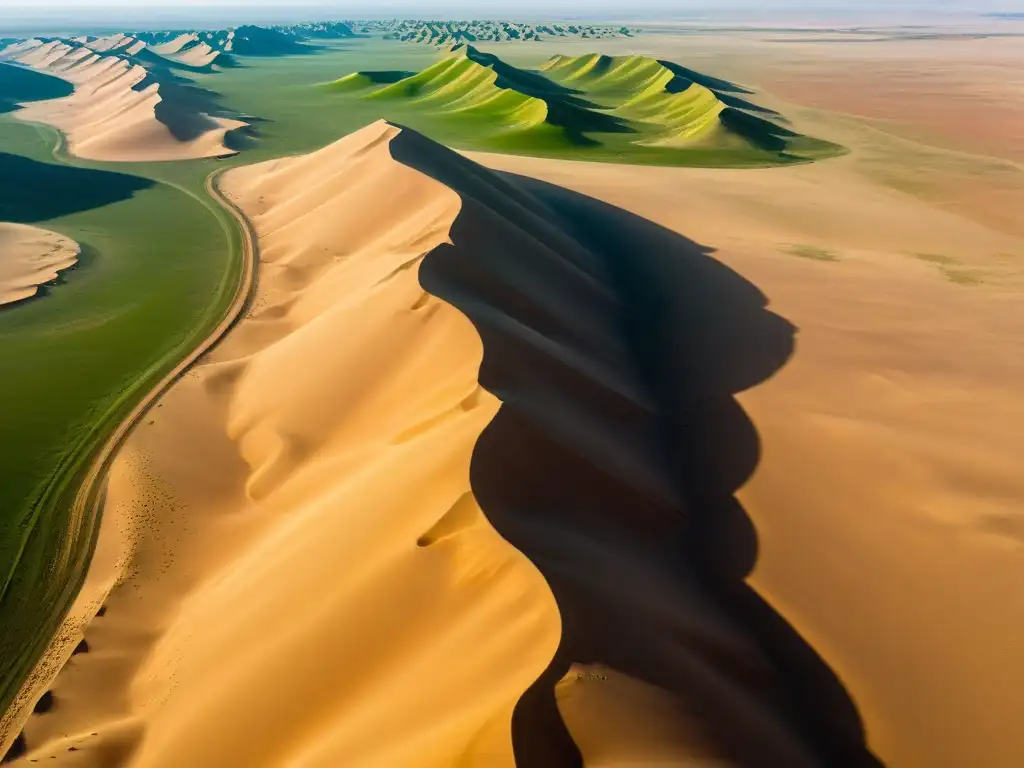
<point x="616" y="347"/>
<point x="708" y="81"/>
<point x="33" y="191"/>
<point x="20" y="84"/>
<point x="700" y="334"/>
<point x="187" y="110"/>
<point x="566" y="108"/>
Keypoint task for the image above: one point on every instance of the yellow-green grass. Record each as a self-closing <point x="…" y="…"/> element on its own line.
<point x="814" y="252"/>
<point x="462" y="86"/>
<point x="610" y="108"/>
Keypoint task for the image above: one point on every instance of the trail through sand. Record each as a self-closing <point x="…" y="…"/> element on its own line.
<point x="29" y="257"/>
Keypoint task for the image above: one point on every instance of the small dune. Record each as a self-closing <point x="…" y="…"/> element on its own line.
<point x="30" y="257"/>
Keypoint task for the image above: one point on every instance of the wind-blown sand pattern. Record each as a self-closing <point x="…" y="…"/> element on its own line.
<point x="113" y="113"/>
<point x="29" y="257"/>
<point x="343" y="443"/>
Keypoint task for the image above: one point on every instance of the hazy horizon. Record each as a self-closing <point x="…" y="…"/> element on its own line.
<point x="63" y="16"/>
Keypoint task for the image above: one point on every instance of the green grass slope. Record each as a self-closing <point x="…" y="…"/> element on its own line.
<point x="515" y="108"/>
<point x="613" y="108"/>
<point x="679" y="108"/>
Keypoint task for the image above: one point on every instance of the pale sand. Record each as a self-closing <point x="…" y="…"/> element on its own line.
<point x="187" y="49"/>
<point x="29" y="257"/>
<point x="887" y="495"/>
<point x="113" y="112"/>
<point x="175" y="45"/>
<point x="198" y="55"/>
<point x="277" y="600"/>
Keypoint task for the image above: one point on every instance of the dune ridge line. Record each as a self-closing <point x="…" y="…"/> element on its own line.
<point x="414" y="423"/>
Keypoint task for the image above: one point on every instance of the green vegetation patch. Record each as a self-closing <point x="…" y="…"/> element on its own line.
<point x="937" y="258"/>
<point x="964" y="276"/>
<point x="608" y="108"/>
<point x="815" y="252"/>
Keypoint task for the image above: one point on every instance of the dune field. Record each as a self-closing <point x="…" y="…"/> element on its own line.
<point x="29" y="257"/>
<point x="116" y="111"/>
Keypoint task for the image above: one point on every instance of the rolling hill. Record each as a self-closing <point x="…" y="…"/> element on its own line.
<point x="628" y="108"/>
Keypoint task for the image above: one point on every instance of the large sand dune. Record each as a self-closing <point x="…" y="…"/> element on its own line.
<point x="29" y="257"/>
<point x="413" y="511"/>
<point x="115" y="112"/>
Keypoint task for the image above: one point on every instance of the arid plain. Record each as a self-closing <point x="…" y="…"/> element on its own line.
<point x="592" y="463"/>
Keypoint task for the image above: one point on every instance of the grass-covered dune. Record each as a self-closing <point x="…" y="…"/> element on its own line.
<point x="624" y="108"/>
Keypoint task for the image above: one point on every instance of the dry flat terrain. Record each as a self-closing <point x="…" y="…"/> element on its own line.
<point x="523" y="461"/>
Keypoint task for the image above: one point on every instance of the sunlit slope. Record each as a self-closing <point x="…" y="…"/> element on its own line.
<point x="618" y="108"/>
<point x="461" y="85"/>
<point x="677" y="110"/>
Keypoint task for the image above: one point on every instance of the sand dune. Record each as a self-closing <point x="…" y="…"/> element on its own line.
<point x="175" y="44"/>
<point x="113" y="113"/>
<point x="29" y="257"/>
<point x="187" y="49"/>
<point x="297" y="475"/>
<point x="345" y="540"/>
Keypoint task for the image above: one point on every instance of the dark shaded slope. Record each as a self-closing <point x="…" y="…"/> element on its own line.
<point x="20" y="84"/>
<point x="615" y="347"/>
<point x="250" y="40"/>
<point x="32" y="191"/>
<point x="566" y="108"/>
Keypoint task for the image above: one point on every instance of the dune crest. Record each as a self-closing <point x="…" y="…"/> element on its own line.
<point x="113" y="113"/>
<point x="414" y="510"/>
<point x="304" y="574"/>
<point x="29" y="257"/>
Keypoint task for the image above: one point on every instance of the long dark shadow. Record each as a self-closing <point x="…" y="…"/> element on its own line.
<point x="616" y="346"/>
<point x="32" y="191"/>
<point x="700" y="334"/>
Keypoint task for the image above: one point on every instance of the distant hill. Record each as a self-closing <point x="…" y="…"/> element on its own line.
<point x="612" y="107"/>
<point x="443" y="33"/>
